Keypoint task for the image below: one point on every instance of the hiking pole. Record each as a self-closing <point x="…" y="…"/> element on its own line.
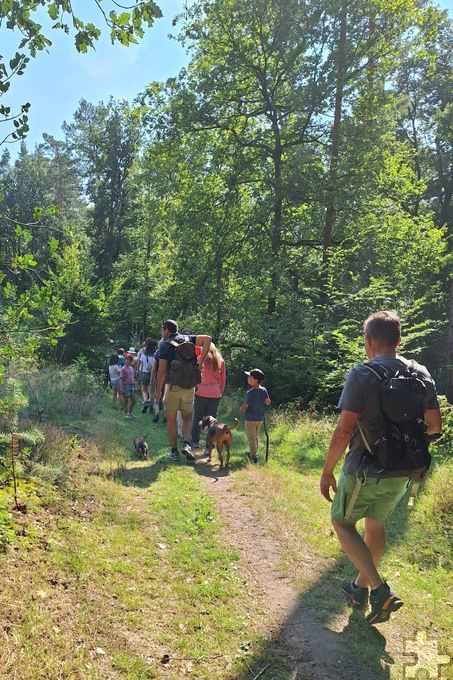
<point x="267" y="438"/>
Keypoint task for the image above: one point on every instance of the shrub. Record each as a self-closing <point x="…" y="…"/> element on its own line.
<point x="444" y="446"/>
<point x="6" y="528"/>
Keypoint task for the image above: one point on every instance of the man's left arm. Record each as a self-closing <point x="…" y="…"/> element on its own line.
<point x="203" y="341"/>
<point x="340" y="440"/>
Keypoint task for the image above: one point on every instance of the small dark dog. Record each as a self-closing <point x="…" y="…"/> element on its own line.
<point x="141" y="448"/>
<point x="219" y="435"/>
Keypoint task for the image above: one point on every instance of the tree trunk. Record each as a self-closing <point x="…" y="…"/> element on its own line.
<point x="330" y="214"/>
<point x="277" y="225"/>
<point x="449" y="372"/>
<point x="146" y="286"/>
<point x="219" y="296"/>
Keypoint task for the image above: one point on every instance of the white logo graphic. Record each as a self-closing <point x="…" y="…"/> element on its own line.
<point x="426" y="662"/>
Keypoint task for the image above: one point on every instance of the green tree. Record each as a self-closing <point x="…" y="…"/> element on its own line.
<point x="34" y="20"/>
<point x="104" y="138"/>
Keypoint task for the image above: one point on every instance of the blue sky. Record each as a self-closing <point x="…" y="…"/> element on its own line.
<point x="54" y="82"/>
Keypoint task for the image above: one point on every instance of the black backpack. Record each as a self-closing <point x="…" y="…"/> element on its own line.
<point x="402" y="450"/>
<point x="184" y="371"/>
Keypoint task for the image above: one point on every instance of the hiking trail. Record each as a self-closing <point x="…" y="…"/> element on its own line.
<point x="313" y="651"/>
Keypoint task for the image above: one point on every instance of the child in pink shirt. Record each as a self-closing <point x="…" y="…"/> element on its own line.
<point x="127" y="382"/>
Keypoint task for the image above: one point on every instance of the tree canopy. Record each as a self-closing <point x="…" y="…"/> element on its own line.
<point x="295" y="177"/>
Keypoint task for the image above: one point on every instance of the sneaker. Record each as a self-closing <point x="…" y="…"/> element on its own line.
<point x="187" y="452"/>
<point x="156" y="418"/>
<point x="126" y="415"/>
<point x="253" y="458"/>
<point x="132" y="415"/>
<point x="173" y="455"/>
<point x="357" y="595"/>
<point x="383" y="602"/>
<point x="145" y="406"/>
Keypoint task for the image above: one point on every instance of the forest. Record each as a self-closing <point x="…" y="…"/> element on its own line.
<point x="295" y="177"/>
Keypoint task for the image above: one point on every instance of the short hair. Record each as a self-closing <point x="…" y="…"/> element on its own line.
<point x="384" y="327"/>
<point x="170" y="325"/>
<point x="114" y="359"/>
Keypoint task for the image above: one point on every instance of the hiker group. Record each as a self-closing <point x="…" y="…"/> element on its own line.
<point x="388" y="412"/>
<point x="182" y="377"/>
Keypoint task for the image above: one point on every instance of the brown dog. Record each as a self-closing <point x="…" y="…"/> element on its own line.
<point x="219" y="435"/>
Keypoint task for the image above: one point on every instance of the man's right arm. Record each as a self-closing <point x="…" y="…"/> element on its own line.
<point x="203" y="341"/>
<point x="433" y="420"/>
<point x="340" y="440"/>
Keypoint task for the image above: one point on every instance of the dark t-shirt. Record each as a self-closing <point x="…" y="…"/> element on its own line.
<point x="167" y="350"/>
<point x="361" y="395"/>
<point x="255" y="398"/>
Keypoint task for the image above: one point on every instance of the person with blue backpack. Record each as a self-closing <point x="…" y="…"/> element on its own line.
<point x="180" y="372"/>
<point x="389" y="409"/>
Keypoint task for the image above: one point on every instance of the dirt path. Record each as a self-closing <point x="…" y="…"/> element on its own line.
<point x="313" y="651"/>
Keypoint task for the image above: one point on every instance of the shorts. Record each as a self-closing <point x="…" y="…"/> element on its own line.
<point x="129" y="390"/>
<point x="145" y="378"/>
<point x="115" y="384"/>
<point x="376" y="500"/>
<point x="179" y="399"/>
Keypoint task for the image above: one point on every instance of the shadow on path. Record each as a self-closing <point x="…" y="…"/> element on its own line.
<point x="304" y="648"/>
<point x="213" y="470"/>
<point x="141" y="476"/>
<point x="312" y="638"/>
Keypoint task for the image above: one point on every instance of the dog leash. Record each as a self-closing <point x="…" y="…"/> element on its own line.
<point x="267" y="437"/>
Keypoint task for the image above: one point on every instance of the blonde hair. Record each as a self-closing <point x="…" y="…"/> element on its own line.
<point x="213" y="358"/>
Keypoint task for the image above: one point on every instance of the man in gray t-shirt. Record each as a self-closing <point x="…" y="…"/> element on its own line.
<point x="377" y="496"/>
<point x="360" y="395"/>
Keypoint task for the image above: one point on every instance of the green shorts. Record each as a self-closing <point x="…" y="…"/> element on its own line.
<point x="179" y="399"/>
<point x="377" y="498"/>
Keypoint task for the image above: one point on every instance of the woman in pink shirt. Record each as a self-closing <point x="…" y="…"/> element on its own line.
<point x="209" y="391"/>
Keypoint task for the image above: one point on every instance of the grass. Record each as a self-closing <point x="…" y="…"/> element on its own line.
<point x="123" y="569"/>
<point x="418" y="561"/>
<point x="129" y="577"/>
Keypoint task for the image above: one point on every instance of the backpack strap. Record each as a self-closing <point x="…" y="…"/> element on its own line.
<point x="379" y="371"/>
<point x="175" y="343"/>
<point x="414" y="489"/>
<point x="360" y="481"/>
<point x="364" y="439"/>
<point x="353" y="499"/>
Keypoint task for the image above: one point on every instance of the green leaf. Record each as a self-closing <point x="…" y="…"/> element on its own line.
<point x="53" y="11"/>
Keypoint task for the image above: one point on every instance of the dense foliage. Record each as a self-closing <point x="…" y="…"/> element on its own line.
<point x="295" y="177"/>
